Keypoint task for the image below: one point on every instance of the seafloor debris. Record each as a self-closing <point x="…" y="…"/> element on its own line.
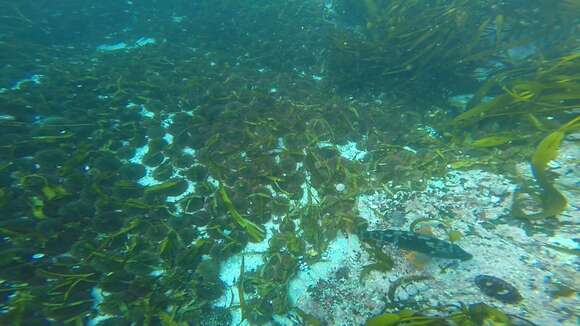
<point x="404" y="280"/>
<point x="217" y="317"/>
<point x="498" y="289"/>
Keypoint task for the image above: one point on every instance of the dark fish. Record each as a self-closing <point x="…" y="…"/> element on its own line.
<point x="498" y="289"/>
<point x="418" y="242"/>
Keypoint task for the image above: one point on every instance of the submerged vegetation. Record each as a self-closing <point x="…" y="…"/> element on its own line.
<point x="472" y="315"/>
<point x="127" y="178"/>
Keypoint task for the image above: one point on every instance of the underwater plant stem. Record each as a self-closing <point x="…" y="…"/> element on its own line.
<point x="241" y="290"/>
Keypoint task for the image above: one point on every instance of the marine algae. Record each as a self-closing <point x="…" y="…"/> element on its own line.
<point x="405" y="317"/>
<point x="553" y="202"/>
<point x="547" y="87"/>
<point x="254" y="231"/>
<point x="100" y="222"/>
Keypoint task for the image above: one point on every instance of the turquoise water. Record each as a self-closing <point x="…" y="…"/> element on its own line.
<point x="331" y="162"/>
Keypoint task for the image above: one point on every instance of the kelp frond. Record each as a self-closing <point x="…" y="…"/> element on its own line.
<point x="553" y="202"/>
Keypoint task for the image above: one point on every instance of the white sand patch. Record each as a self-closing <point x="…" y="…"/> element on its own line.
<point x="477" y="203"/>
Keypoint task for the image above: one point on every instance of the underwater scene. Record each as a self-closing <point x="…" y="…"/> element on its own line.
<point x="290" y="162"/>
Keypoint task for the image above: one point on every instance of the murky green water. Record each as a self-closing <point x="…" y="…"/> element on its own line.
<point x="322" y="162"/>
